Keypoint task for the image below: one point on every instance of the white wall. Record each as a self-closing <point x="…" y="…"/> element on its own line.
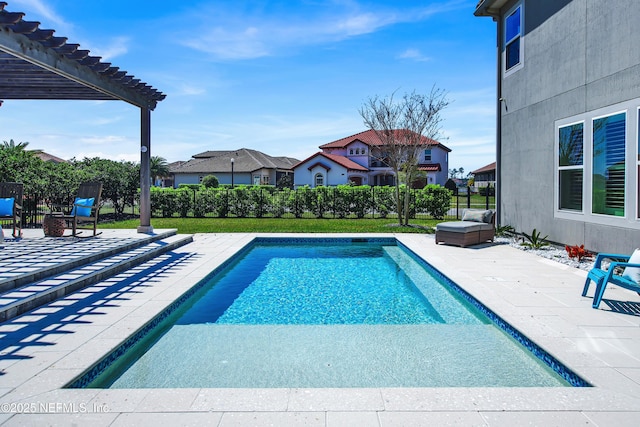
<point x="335" y="176"/>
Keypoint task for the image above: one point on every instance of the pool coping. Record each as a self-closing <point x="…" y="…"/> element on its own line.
<point x="599" y="345"/>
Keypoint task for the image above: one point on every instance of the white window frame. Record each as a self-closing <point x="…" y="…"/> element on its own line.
<point x="570" y="167"/>
<point x="626" y="160"/>
<point x="315" y="180"/>
<point x="520" y="63"/>
<point x="632" y="163"/>
<point x="636" y="170"/>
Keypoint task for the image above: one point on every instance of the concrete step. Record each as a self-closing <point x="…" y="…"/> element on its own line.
<point x="17" y="301"/>
<point x="30" y="260"/>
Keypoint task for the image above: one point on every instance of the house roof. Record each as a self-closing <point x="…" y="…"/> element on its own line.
<point x="430" y="167"/>
<point x="341" y="160"/>
<point x="46" y="157"/>
<point x="489" y="7"/>
<point x="35" y="64"/>
<point x="370" y="138"/>
<point x="244" y="160"/>
<point x="489" y="167"/>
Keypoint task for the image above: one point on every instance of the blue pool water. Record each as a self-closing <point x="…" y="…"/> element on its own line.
<point x="328" y="314"/>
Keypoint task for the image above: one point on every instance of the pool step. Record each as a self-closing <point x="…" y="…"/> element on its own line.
<point x="47" y="257"/>
<point x="19" y="300"/>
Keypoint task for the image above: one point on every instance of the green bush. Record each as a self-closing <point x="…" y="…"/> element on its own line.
<point x="210" y="181"/>
<point x="343" y="201"/>
<point x="434" y="200"/>
<point x="383" y="200"/>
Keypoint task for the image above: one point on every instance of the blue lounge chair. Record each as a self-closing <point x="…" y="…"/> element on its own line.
<point x="603" y="277"/>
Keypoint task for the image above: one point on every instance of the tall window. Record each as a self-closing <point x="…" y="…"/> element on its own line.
<point x="512" y="38"/>
<point x="608" y="165"/>
<point x="427" y="155"/>
<point x="319" y="180"/>
<point x="597" y="159"/>
<point x="570" y="166"/>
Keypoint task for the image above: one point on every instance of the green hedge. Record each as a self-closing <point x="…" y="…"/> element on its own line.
<point x="343" y="201"/>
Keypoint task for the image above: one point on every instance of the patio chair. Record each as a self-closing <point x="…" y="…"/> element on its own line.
<point x="11" y="194"/>
<point x="623" y="271"/>
<point x="477" y="226"/>
<point x="84" y="214"/>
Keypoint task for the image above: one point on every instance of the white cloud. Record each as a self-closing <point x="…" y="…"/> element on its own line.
<point x="231" y="34"/>
<point x="40" y="8"/>
<point x="117" y="46"/>
<point x="103" y="140"/>
<point x="414" y="54"/>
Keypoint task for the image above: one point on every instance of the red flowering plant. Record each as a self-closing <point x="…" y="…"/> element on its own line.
<point x="578" y="252"/>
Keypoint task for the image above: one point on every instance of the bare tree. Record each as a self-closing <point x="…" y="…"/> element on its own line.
<point x="405" y="128"/>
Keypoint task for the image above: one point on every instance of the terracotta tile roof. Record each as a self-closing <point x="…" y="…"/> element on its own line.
<point x="371" y="139"/>
<point x="432" y="167"/>
<point x="341" y="160"/>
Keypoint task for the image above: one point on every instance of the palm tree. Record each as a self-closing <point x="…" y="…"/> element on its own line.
<point x="159" y="167"/>
<point x="12" y="147"/>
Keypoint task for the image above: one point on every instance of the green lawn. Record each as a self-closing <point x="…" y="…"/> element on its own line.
<point x="280" y="225"/>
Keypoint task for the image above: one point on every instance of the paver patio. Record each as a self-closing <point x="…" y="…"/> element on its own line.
<point x="43" y="350"/>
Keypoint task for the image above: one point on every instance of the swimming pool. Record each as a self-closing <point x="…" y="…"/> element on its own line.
<point x="327" y="313"/>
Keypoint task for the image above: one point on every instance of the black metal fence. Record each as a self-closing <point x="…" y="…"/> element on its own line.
<point x="373" y="202"/>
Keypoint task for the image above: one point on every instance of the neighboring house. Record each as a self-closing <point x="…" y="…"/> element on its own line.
<point x="167" y="181"/>
<point x="568" y="100"/>
<point x="360" y="159"/>
<point x="46" y="157"/>
<point x="485" y="176"/>
<point x="243" y="166"/>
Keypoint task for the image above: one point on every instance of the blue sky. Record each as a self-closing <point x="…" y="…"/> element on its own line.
<point x="282" y="77"/>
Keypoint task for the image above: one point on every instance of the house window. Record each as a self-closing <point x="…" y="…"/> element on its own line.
<point x="319" y="179"/>
<point x="265" y="180"/>
<point x="570" y="166"/>
<point x="351" y="151"/>
<point x="597" y="170"/>
<point x="608" y="173"/>
<point x="427" y="155"/>
<point x="513" y="39"/>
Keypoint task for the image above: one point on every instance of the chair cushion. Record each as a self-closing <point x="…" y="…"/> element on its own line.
<point x="478" y="216"/>
<point x="633" y="273"/>
<point x="473" y="215"/>
<point x="460" y="226"/>
<point x="77" y="210"/>
<point x="6" y="206"/>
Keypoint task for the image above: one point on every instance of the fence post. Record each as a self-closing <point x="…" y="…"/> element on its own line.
<point x="373" y="202"/>
<point x="457" y="204"/>
<point x="193" y="210"/>
<point x="487" y="188"/>
<point x="226" y="211"/>
<point x="468" y="197"/>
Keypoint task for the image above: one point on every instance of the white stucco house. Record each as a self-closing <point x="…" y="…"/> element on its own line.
<point x="360" y="159"/>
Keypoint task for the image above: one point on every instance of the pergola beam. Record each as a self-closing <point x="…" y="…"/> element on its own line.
<point x="36" y="65"/>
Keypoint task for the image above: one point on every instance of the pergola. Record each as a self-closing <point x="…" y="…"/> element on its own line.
<point x="35" y="64"/>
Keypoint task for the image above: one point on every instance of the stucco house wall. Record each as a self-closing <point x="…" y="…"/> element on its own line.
<point x="239" y="178"/>
<point x="331" y="172"/>
<point x="580" y="60"/>
<point x="439" y="156"/>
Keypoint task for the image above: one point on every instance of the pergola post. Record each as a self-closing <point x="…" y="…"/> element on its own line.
<point x="145" y="171"/>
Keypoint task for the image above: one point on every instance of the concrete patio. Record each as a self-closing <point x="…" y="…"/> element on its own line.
<point x="44" y="349"/>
